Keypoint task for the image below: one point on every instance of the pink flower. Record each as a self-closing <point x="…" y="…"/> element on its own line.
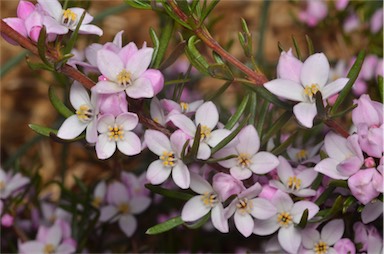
<point x="315" y="12"/>
<point x="207" y="201"/>
<point x="181" y="108"/>
<point x="296" y="183"/>
<point x="208" y="117"/>
<point x="114" y="104"/>
<point x="121" y="208"/>
<point x="9" y="183"/>
<point x="313" y="78"/>
<point x="345" y="245"/>
<point x="7" y="220"/>
<point x="226" y="185"/>
<point x="351" y="23"/>
<point x="169" y="152"/>
<point x="157" y="112"/>
<point x="283" y="218"/>
<point x="331" y="233"/>
<point x="59" y="21"/>
<point x="249" y="159"/>
<point x="341" y="4"/>
<point x="372" y="211"/>
<point x="289" y="67"/>
<point x="368" y="237"/>
<point x="117" y="132"/>
<point x="128" y="71"/>
<point x="361" y="185"/>
<point x="376" y="22"/>
<point x="345" y="157"/>
<point x="49" y="240"/>
<point x="135" y="184"/>
<point x="85" y="117"/>
<point x="99" y="194"/>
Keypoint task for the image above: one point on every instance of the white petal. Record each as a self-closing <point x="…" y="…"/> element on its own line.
<point x="157" y="173"/>
<point x="91" y="53"/>
<point x="139" y="204"/>
<point x="117" y="194"/>
<point x="332" y="231"/>
<point x="371" y="211"/>
<point x="315" y="70"/>
<point x="204" y="151"/>
<point x="78" y="95"/>
<point x="53" y="26"/>
<point x="337" y="147"/>
<point x="54" y="235"/>
<point x="266" y="227"/>
<point x="194" y="209"/>
<point x="305" y="113"/>
<point x="181" y="176"/>
<point x="90" y="29"/>
<point x="240" y="173"/>
<point x="53" y="7"/>
<point x="282" y="201"/>
<point x="218" y="219"/>
<point x="79" y="11"/>
<point x="104" y="122"/>
<point x="328" y="167"/>
<point x="156" y="111"/>
<point x="104" y="147"/>
<point x="127" y="51"/>
<point x="310" y="237"/>
<point x="157" y="142"/>
<point x="110" y="64"/>
<point x="65" y="248"/>
<point x="139" y="62"/>
<point x="333" y="88"/>
<point x="222" y="153"/>
<point x="107" y="87"/>
<point x="199" y="184"/>
<point x="71" y="128"/>
<point x="107" y="212"/>
<point x="244" y="223"/>
<point x="217" y="136"/>
<point x="249" y="141"/>
<point x="263" y="162"/>
<point x="184" y="123"/>
<point x="128" y="120"/>
<point x="128" y="224"/>
<point x="284" y="170"/>
<point x="140" y="88"/>
<point x="289" y="239"/>
<point x="307" y="176"/>
<point x="263" y="209"/>
<point x="31" y="247"/>
<point x="91" y="132"/>
<point x="207" y="115"/>
<point x="178" y="140"/>
<point x="285" y="88"/>
<point x="299" y="207"/>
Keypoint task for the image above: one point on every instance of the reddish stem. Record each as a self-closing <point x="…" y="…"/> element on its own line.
<point x="336" y="127"/>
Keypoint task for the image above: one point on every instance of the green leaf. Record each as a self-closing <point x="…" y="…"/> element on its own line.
<point x="217" y="58"/>
<point x="45" y="131"/>
<point x="352" y="75"/>
<point x="263" y="113"/>
<point x="380" y="85"/>
<point x="169" y="193"/>
<point x="304" y="219"/>
<point x="267" y="95"/>
<point x="230" y="137"/>
<point x="283" y="147"/>
<point x="337" y="206"/>
<point x="171" y="13"/>
<point x="194" y="56"/>
<point x="324" y="196"/>
<point x="38" y="66"/>
<point x="58" y="104"/>
<point x="311" y="49"/>
<point x="321" y="114"/>
<point x="208" y="10"/>
<point x="12" y="63"/>
<point x="221" y="159"/>
<point x="176" y="53"/>
<point x="72" y="40"/>
<point x="348" y="202"/>
<point x="252" y="108"/>
<point x="144" y="5"/>
<point x="184" y="6"/>
<point x="297" y="48"/>
<point x="219" y="92"/>
<point x="277" y="126"/>
<point x="41" y="46"/>
<point x="55" y="138"/>
<point x="239" y="112"/>
<point x="195" y="146"/>
<point x="220" y="71"/>
<point x="166" y="35"/>
<point x="199" y="223"/>
<point x="165" y="226"/>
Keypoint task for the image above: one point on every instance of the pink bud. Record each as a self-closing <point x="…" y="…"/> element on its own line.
<point x="34" y="33"/>
<point x="366" y="113"/>
<point x="7" y="220"/>
<point x="289" y="67"/>
<point x="369" y="162"/>
<point x="345" y="245"/>
<point x="114" y="104"/>
<point x="341" y="4"/>
<point x="156" y="78"/>
<point x="377" y="21"/>
<point x="102" y="78"/>
<point x="24" y="9"/>
<point x="226" y="185"/>
<point x="361" y="185"/>
<point x="331" y="100"/>
<point x="267" y="192"/>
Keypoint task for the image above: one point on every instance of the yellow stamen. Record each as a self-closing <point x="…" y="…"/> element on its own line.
<point x="168" y="159"/>
<point x="284" y="219"/>
<point x="115" y="133"/>
<point x="124" y="78"/>
<point x="244" y="160"/>
<point x="311" y="90"/>
<point x="184" y="106"/>
<point x="123" y="208"/>
<point x="244" y="206"/>
<point x="96" y="202"/>
<point x="205" y="132"/>
<point x="84" y="113"/>
<point x="49" y="249"/>
<point x="294" y="183"/>
<point x="321" y="247"/>
<point x="2" y="185"/>
<point x="302" y="155"/>
<point x="209" y="199"/>
<point x="69" y="18"/>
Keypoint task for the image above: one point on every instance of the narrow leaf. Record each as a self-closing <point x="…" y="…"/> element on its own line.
<point x="73" y="39"/>
<point x="41" y="46"/>
<point x="252" y="108"/>
<point x="45" y="131"/>
<point x="139" y="4"/>
<point x="321" y="114"/>
<point x="220" y="71"/>
<point x="278" y="125"/>
<point x="176" y="53"/>
<point x="199" y="223"/>
<point x="260" y="121"/>
<point x="297" y="48"/>
<point x="304" y="219"/>
<point x="219" y="92"/>
<point x="168" y="193"/>
<point x="12" y="63"/>
<point x="194" y="56"/>
<point x="195" y="146"/>
<point x="283" y="147"/>
<point x="267" y="95"/>
<point x="208" y="10"/>
<point x="58" y="104"/>
<point x="380" y="85"/>
<point x="311" y="49"/>
<point x="239" y="112"/>
<point x="165" y="226"/>
<point x="166" y="34"/>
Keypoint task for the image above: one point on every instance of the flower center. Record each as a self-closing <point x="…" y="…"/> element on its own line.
<point x="205" y="132"/>
<point x="84" y="113"/>
<point x="69" y="18"/>
<point x="243" y="160"/>
<point x="284" y="219"/>
<point x="244" y="206"/>
<point x="49" y="249"/>
<point x="124" y="78"/>
<point x="123" y="208"/>
<point x="2" y="185"/>
<point x="96" y="202"/>
<point x="209" y="199"/>
<point x="168" y="159"/>
<point x="294" y="183"/>
<point x="302" y="155"/>
<point x="115" y="133"/>
<point x="311" y="90"/>
<point x="321" y="247"/>
<point x="184" y="106"/>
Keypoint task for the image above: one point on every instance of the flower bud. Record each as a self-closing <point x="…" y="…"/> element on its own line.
<point x="289" y="67"/>
<point x="226" y="185"/>
<point x="24" y="9"/>
<point x="361" y="185"/>
<point x="114" y="104"/>
<point x="156" y="78"/>
<point x="267" y="192"/>
<point x="7" y="220"/>
<point x="369" y="162"/>
<point x="345" y="245"/>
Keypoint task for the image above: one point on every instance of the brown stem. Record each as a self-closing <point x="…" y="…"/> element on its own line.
<point x="68" y="70"/>
<point x="336" y="127"/>
<point x="256" y="77"/>
<point x="20" y="233"/>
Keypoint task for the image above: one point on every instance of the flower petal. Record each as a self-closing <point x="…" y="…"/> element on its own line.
<point x="263" y="209"/>
<point x="333" y="87"/>
<point x="207" y="115"/>
<point x="299" y="207"/>
<point x="90" y="29"/>
<point x="249" y="141"/>
<point x="157" y="142"/>
<point x="54" y="235"/>
<point x="127" y="51"/>
<point x="157" y="173"/>
<point x="140" y="88"/>
<point x="107" y="212"/>
<point x="204" y="151"/>
<point x="282" y="201"/>
<point x="372" y="211"/>
<point x="244" y="223"/>
<point x="285" y="88"/>
<point x="305" y="113"/>
<point x="307" y="176"/>
<point x="104" y="147"/>
<point x="71" y="128"/>
<point x="128" y="120"/>
<point x="199" y="184"/>
<point x="218" y="219"/>
<point x="289" y="239"/>
<point x="131" y="145"/>
<point x="78" y="95"/>
<point x="240" y="173"/>
<point x="139" y="62"/>
<point x="53" y="7"/>
<point x="310" y="238"/>
<point x="117" y="194"/>
<point x="107" y="87"/>
<point x="217" y="136"/>
<point x="328" y="167"/>
<point x="263" y="162"/>
<point x="266" y="227"/>
<point x="53" y="26"/>
<point x="284" y="169"/>
<point x="184" y="123"/>
<point x="128" y="224"/>
<point x="139" y="204"/>
<point x="315" y="70"/>
<point x="332" y="231"/>
<point x="104" y="122"/>
<point x="194" y="209"/>
<point x="181" y="176"/>
<point x="110" y="64"/>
